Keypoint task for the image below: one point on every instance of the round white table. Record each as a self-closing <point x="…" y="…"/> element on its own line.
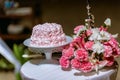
<point x="34" y="70"/>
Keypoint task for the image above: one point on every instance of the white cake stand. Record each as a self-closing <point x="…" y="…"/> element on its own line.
<point x="47" y="50"/>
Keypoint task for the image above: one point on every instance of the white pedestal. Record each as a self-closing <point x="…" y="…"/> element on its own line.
<point x="34" y="70"/>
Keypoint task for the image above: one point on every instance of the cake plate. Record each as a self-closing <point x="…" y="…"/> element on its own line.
<point x="47" y="50"/>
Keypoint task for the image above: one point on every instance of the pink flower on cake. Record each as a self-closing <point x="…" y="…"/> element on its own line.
<point x="64" y="62"/>
<point x="81" y="54"/>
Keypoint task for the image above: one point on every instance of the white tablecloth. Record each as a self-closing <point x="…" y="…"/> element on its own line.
<point x="32" y="70"/>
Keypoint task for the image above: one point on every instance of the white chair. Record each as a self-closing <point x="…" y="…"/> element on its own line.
<point x="6" y="52"/>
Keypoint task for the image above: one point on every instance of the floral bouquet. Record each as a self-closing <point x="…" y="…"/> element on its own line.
<point x="91" y="48"/>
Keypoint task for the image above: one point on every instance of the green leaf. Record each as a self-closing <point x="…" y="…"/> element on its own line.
<point x="16" y="52"/>
<point x="18" y="77"/>
<point x="19" y="50"/>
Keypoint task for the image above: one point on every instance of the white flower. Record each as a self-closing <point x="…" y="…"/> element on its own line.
<point x="95" y="34"/>
<point x="74" y="36"/>
<point x="107" y="22"/>
<point x="98" y="35"/>
<point x="115" y="35"/>
<point x="81" y="30"/>
<point x="98" y="47"/>
<point x="104" y="36"/>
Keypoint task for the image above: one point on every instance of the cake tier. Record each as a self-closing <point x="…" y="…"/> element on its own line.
<point x="47" y="34"/>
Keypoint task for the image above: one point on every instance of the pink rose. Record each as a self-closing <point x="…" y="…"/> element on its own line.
<point x="68" y="53"/>
<point x="64" y="62"/>
<point x="110" y="60"/>
<point x="81" y="54"/>
<point x="108" y="51"/>
<point x="88" y="32"/>
<point x="66" y="46"/>
<point x="116" y="51"/>
<point x="113" y="42"/>
<point x="102" y="28"/>
<point x="78" y="28"/>
<point x="75" y="63"/>
<point x="78" y="42"/>
<point x="88" y="45"/>
<point x="86" y="66"/>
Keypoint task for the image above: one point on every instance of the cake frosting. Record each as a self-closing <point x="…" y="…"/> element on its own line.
<point x="47" y="34"/>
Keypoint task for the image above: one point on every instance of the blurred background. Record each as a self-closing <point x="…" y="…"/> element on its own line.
<point x="18" y="17"/>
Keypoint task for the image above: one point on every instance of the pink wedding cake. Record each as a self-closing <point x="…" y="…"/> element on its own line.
<point x="47" y="35"/>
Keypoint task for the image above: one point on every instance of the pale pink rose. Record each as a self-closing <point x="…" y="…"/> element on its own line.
<point x="75" y="63"/>
<point x="103" y="28"/>
<point x="77" y="28"/>
<point x="86" y="66"/>
<point x="64" y="62"/>
<point x="108" y="51"/>
<point x="88" y="32"/>
<point x="88" y="45"/>
<point x="81" y="54"/>
<point x="68" y="53"/>
<point x="110" y="60"/>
